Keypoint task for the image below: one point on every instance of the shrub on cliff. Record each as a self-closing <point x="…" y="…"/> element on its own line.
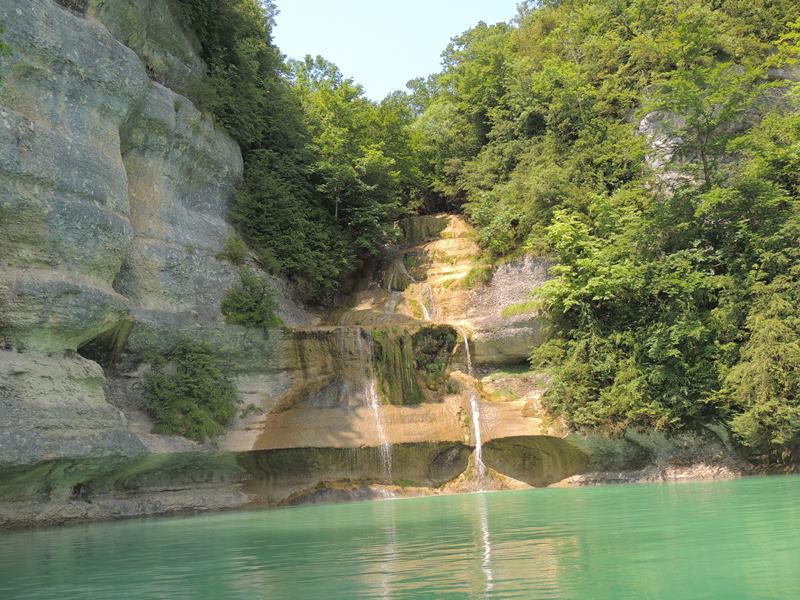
<point x="187" y="393"/>
<point x="673" y="302"/>
<point x="252" y="302"/>
<point x="235" y="251"/>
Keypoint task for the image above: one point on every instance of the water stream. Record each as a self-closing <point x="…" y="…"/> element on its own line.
<point x="480" y="468"/>
<point x="428" y="303"/>
<point x="373" y="401"/>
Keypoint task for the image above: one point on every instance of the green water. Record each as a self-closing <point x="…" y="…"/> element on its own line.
<point x="736" y="539"/>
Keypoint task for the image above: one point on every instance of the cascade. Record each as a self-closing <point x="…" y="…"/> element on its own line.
<point x="480" y="468"/>
<point x="428" y="303"/>
<point x="391" y="304"/>
<point x="372" y="398"/>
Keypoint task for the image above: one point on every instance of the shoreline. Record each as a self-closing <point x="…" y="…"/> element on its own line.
<point x="29" y="516"/>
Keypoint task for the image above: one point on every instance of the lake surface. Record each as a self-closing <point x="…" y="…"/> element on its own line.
<point x="732" y="539"/>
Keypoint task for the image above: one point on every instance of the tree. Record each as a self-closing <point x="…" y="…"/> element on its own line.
<point x="707" y="107"/>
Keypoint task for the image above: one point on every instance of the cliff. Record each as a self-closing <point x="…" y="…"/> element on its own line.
<point x="114" y="199"/>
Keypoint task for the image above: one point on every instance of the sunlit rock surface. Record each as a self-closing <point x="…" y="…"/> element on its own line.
<point x="114" y="199"/>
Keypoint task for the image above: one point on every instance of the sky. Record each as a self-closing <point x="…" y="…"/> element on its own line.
<point x="381" y="44"/>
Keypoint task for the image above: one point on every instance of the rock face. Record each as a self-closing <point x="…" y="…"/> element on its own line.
<point x="182" y="173"/>
<point x="69" y="88"/>
<point x="427" y="280"/>
<point x="56" y="408"/>
<point x="156" y="34"/>
<point x="506" y="326"/>
<point x="114" y="196"/>
<point x="114" y="192"/>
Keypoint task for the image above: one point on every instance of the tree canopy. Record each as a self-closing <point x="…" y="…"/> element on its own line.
<point x="650" y="148"/>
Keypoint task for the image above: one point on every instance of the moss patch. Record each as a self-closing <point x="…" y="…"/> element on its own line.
<point x="521" y="308"/>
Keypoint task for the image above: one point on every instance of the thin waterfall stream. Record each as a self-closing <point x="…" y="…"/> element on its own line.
<point x="428" y="304"/>
<point x="373" y="401"/>
<point x="480" y="468"/>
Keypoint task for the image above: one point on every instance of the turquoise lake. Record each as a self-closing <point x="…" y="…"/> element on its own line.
<point x="731" y="539"/>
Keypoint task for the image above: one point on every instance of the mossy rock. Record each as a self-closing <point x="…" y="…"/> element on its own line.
<point x="408" y="362"/>
<point x="433" y="348"/>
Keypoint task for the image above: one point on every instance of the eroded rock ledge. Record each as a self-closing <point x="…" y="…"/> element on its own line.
<point x="114" y="194"/>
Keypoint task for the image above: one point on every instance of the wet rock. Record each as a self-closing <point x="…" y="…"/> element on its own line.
<point x="535" y="460"/>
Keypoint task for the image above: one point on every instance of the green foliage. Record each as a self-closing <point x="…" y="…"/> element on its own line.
<point x="187" y="393"/>
<point x="244" y="89"/>
<point x="5" y="49"/>
<point x="478" y="275"/>
<point x="251" y="303"/>
<point x="673" y="300"/>
<point x="235" y="251"/>
<point x="521" y="308"/>
<point x="327" y="171"/>
<point x="710" y="101"/>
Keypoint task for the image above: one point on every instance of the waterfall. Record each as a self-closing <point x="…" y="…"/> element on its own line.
<point x="391" y="303"/>
<point x="480" y="468"/>
<point x="428" y="314"/>
<point x="373" y="401"/>
<point x="425" y="314"/>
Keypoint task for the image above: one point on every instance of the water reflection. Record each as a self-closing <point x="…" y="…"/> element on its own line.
<point x="736" y="539"/>
<point x="486" y="541"/>
<point x="389" y="550"/>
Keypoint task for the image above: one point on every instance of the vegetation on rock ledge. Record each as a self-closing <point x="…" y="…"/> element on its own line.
<point x="187" y="393"/>
<point x="252" y="302"/>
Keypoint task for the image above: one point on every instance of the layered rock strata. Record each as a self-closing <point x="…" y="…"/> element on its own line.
<point x="114" y="196"/>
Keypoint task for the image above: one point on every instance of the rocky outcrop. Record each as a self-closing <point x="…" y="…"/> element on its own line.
<point x="69" y="88"/>
<point x="55" y="407"/>
<point x="114" y="193"/>
<point x="427" y="279"/>
<point x="505" y="323"/>
<point x="154" y="31"/>
<point x="182" y="173"/>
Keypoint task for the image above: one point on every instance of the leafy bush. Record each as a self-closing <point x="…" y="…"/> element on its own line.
<point x="235" y="251"/>
<point x="252" y="302"/>
<point x="673" y="302"/>
<point x="187" y="393"/>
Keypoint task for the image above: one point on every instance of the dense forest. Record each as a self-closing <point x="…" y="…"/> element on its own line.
<point x="651" y="148"/>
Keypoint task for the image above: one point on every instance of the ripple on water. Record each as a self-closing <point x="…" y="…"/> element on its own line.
<point x="736" y="539"/>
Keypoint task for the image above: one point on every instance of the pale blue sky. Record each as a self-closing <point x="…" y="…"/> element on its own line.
<point x="381" y="43"/>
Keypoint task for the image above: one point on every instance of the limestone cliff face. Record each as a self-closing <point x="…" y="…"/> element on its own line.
<point x="66" y="230"/>
<point x="114" y="192"/>
<point x="114" y="196"/>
